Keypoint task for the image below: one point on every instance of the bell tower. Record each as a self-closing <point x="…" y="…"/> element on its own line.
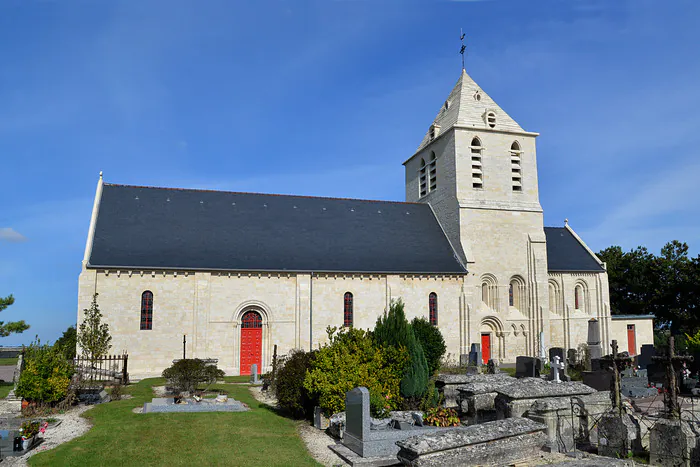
<point x="477" y="169"/>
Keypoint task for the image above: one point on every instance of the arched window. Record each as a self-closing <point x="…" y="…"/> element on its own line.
<point x="477" y="171"/>
<point x="433" y="308"/>
<point x="147" y="310"/>
<point x="516" y="168"/>
<point x="554" y="297"/>
<point x="511" y="298"/>
<point x="578" y="297"/>
<point x="489" y="291"/>
<point x="347" y="310"/>
<point x="251" y="319"/>
<point x="423" y="179"/>
<point x="433" y="171"/>
<point x="516" y="291"/>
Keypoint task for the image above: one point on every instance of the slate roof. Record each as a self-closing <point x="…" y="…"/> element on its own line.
<point x="566" y="254"/>
<point x="164" y="228"/>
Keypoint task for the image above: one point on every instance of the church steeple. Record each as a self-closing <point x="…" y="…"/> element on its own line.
<point x="469" y="107"/>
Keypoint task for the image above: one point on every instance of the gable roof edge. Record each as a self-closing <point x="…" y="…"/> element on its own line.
<point x="583" y="244"/>
<point x="93" y="222"/>
<point x="454" y="250"/>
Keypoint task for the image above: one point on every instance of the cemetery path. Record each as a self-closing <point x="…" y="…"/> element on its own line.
<point x="7" y="372"/>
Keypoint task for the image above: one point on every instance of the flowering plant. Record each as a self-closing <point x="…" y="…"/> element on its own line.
<point x="29" y="429"/>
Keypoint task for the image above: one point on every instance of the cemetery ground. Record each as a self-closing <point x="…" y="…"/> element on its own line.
<point x="121" y="437"/>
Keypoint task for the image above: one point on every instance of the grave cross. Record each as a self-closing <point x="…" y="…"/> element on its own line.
<point x="617" y="363"/>
<point x="556" y="366"/>
<point x="673" y="364"/>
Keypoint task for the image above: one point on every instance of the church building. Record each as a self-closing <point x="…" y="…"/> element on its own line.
<point x="235" y="274"/>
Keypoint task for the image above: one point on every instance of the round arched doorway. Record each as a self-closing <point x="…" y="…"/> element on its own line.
<point x="251" y="341"/>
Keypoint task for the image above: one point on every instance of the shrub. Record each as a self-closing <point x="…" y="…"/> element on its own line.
<point x="431" y="398"/>
<point x="187" y="374"/>
<point x="431" y="340"/>
<point x="289" y="384"/>
<point x="394" y="330"/>
<point x="46" y="374"/>
<point x="353" y="359"/>
<point x="68" y="342"/>
<point x="441" y="416"/>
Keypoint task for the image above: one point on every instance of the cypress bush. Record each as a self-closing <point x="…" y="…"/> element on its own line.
<point x="289" y="384"/>
<point x="394" y="330"/>
<point x="432" y="341"/>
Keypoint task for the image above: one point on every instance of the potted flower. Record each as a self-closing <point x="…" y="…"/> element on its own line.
<point x="28" y="432"/>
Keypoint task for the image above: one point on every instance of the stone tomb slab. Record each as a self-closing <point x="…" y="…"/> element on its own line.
<point x="449" y="385"/>
<point x="515" y="399"/>
<point x="476" y="398"/>
<point x="492" y="443"/>
<point x="166" y="404"/>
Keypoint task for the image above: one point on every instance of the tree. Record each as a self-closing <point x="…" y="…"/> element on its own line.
<point x="13" y="327"/>
<point x="93" y="337"/>
<point x="394" y="330"/>
<point x="667" y="286"/>
<point x="432" y="341"/>
<point x="68" y="342"/>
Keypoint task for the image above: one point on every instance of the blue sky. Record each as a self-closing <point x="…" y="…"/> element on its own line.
<point x="328" y="98"/>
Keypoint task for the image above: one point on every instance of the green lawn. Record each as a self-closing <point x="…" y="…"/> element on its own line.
<point x="5" y="389"/>
<point x="8" y="361"/>
<point x="121" y="437"/>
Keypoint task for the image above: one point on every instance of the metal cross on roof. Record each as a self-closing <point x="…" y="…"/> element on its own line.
<point x="617" y="362"/>
<point x="673" y="364"/>
<point x="464" y="47"/>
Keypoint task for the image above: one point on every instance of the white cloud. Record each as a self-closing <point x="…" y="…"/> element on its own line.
<point x="11" y="235"/>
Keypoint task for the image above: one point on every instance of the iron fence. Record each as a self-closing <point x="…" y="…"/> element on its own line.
<point x="106" y="368"/>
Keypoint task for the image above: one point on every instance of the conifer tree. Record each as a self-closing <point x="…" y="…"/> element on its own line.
<point x="13" y="327"/>
<point x="393" y="329"/>
<point x="93" y="334"/>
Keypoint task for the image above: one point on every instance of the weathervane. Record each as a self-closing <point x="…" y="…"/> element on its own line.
<point x="464" y="47"/>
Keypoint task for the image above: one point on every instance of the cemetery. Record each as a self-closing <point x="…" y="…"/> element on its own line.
<point x="382" y="397"/>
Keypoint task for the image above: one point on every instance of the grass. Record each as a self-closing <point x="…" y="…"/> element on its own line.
<point x="5" y="389"/>
<point x="8" y="361"/>
<point x="121" y="437"/>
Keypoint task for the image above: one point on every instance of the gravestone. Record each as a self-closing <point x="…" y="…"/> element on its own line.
<point x="618" y="435"/>
<point x="572" y="357"/>
<point x="556" y="351"/>
<point x="254" y="373"/>
<point x="600" y="380"/>
<point x="492" y="366"/>
<point x="594" y="347"/>
<point x="527" y="367"/>
<point x="475" y="355"/>
<point x="644" y="358"/>
<point x="373" y="440"/>
<point x="321" y="422"/>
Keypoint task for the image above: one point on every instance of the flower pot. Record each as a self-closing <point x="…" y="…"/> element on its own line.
<point x="28" y="443"/>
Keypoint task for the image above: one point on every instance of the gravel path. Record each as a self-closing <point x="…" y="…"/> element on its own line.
<point x="72" y="425"/>
<point x="316" y="441"/>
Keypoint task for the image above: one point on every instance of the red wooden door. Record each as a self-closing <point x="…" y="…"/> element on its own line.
<point x="486" y="347"/>
<point x="251" y="342"/>
<point x="631" y="340"/>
